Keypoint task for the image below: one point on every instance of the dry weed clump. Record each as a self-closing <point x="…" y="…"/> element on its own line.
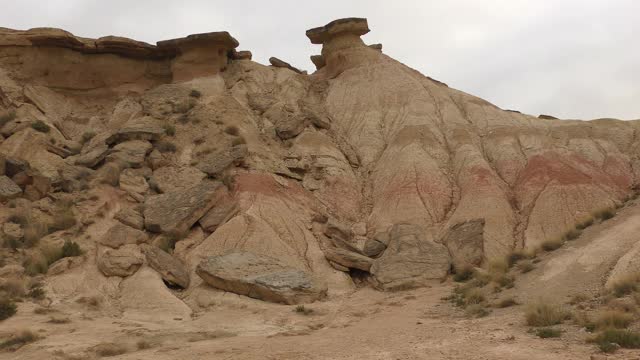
<point x="545" y="314"/>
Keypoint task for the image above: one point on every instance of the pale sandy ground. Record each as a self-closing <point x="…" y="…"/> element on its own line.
<point x="365" y="324"/>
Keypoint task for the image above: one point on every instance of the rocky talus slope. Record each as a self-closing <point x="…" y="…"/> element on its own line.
<point x="183" y="169"/>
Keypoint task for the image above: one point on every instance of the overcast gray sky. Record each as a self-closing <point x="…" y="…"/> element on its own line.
<point x="568" y="58"/>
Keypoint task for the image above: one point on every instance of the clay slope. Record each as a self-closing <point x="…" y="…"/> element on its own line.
<point x="363" y="170"/>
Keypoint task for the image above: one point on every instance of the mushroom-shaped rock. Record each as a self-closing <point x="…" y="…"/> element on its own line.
<point x="353" y="26"/>
<point x="199" y="55"/>
<point x="342" y="46"/>
<point x="261" y="277"/>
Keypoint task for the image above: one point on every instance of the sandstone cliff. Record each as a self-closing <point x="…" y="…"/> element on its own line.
<point x="363" y="167"/>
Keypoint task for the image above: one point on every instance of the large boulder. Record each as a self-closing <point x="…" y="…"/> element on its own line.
<point x="130" y="217"/>
<point x="214" y="163"/>
<point x="122" y="262"/>
<point x="349" y="259"/>
<point x="172" y="178"/>
<point x="121" y="234"/>
<point x="374" y="247"/>
<point x="465" y="242"/>
<point x="225" y="207"/>
<point x="146" y="128"/>
<point x="411" y="260"/>
<point x="171" y="269"/>
<point x="133" y="153"/>
<point x="176" y="212"/>
<point x="260" y="277"/>
<point x="8" y="189"/>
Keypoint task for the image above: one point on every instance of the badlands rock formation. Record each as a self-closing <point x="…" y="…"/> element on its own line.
<point x="187" y="164"/>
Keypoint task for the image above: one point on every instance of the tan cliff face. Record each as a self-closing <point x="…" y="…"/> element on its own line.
<point x="363" y="167"/>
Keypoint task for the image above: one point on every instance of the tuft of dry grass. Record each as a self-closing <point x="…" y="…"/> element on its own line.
<point x="59" y="320"/>
<point x="110" y="349"/>
<point x="585" y="223"/>
<point x="474" y="296"/>
<point x="614" y="319"/>
<point x="8" y="308"/>
<point x="506" y="302"/>
<point x="572" y="234"/>
<point x="547" y="332"/>
<point x="604" y="214"/>
<point x="626" y="285"/>
<point x="477" y="311"/>
<point x="609" y="340"/>
<point x="551" y="245"/>
<point x="18" y="340"/>
<point x="301" y="309"/>
<point x="544" y="314"/>
<point x="13" y="288"/>
<point x="525" y="266"/>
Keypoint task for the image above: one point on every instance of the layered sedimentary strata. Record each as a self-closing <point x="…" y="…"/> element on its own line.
<point x="364" y="167"/>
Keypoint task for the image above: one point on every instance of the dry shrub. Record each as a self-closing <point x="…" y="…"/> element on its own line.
<point x="463" y="274"/>
<point x="544" y="314"/>
<point x="58" y="320"/>
<point x="301" y="309"/>
<point x="547" y="332"/>
<point x="7" y="116"/>
<point x="613" y="319"/>
<point x="8" y="308"/>
<point x="18" y="340"/>
<point x="166" y="146"/>
<point x="143" y="344"/>
<point x="63" y="218"/>
<point x="232" y="130"/>
<point x="525" y="266"/>
<point x="609" y="340"/>
<point x="604" y="214"/>
<point x="13" y="288"/>
<point x="91" y="301"/>
<point x="626" y="285"/>
<point x="474" y="296"/>
<point x="506" y="302"/>
<point x="551" y="245"/>
<point x="109" y="349"/>
<point x="585" y="223"/>
<point x="477" y="311"/>
<point x="572" y="234"/>
<point x="40" y="126"/>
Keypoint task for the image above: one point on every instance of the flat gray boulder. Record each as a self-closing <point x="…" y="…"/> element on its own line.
<point x="465" y="242"/>
<point x="411" y="260"/>
<point x="177" y="211"/>
<point x="214" y="163"/>
<point x="260" y="277"/>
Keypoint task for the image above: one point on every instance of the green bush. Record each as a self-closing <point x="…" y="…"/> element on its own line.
<point x="7" y="308"/>
<point x="40" y="126"/>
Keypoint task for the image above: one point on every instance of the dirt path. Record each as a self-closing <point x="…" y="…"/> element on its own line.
<point x="364" y="325"/>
